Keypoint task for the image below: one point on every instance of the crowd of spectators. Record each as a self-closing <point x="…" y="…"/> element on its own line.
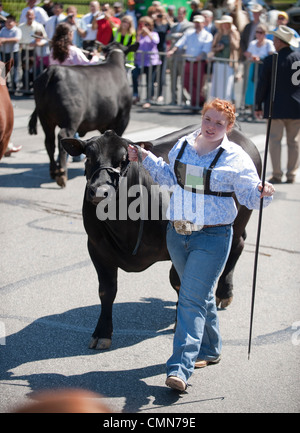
<point x="181" y="41"/>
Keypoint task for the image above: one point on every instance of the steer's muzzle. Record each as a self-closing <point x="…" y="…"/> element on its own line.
<point x="97" y="194"/>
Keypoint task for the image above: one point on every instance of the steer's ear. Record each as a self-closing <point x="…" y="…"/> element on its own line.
<point x="132" y="48"/>
<point x="73" y="146"/>
<point x="145" y="145"/>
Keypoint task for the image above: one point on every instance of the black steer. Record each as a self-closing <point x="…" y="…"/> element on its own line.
<point x="81" y="99"/>
<point x="111" y="242"/>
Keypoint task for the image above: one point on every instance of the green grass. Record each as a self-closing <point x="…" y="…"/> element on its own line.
<point x="15" y="7"/>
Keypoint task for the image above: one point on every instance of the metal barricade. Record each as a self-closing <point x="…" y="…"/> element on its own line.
<point x="178" y="82"/>
<point x="27" y="66"/>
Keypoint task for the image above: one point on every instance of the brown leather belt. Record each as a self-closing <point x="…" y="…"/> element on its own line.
<point x="183" y="227"/>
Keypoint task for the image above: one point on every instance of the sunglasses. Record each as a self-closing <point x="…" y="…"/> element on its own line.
<point x="259" y="32"/>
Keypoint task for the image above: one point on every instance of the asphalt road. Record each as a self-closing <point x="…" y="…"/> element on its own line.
<point x="49" y="303"/>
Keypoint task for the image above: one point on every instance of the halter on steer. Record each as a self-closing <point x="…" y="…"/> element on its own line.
<point x="123" y="174"/>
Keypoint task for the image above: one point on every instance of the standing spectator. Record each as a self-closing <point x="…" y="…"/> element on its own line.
<point x="48" y="7"/>
<point x="10" y="37"/>
<point x="3" y="16"/>
<point x="176" y="61"/>
<point x="125" y="34"/>
<point x="29" y="27"/>
<point x="89" y="35"/>
<point x="196" y="7"/>
<point x="40" y="14"/>
<point x="226" y="45"/>
<point x="209" y="24"/>
<point x="171" y="14"/>
<point x="148" y="59"/>
<point x="286" y="108"/>
<point x="118" y="10"/>
<point x="55" y="19"/>
<point x="75" y="24"/>
<point x="104" y="26"/>
<point x="283" y="20"/>
<point x="197" y="44"/>
<point x="2" y="12"/>
<point x="258" y="49"/>
<point x="27" y="54"/>
<point x="248" y="34"/>
<point x="133" y="13"/>
<point x="162" y="27"/>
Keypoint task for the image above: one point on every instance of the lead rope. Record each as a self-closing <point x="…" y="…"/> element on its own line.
<point x="141" y="228"/>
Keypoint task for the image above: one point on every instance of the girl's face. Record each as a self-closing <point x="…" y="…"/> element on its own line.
<point x="214" y="125"/>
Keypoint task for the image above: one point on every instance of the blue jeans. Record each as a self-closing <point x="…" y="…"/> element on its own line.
<point x="199" y="259"/>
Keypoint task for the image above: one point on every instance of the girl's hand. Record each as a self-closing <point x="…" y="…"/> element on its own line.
<point x="133" y="153"/>
<point x="268" y="190"/>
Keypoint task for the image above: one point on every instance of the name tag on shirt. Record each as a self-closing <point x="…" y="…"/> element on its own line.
<point x="191" y="177"/>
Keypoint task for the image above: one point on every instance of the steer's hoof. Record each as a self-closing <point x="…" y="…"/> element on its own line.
<point x="223" y="303"/>
<point x="61" y="177"/>
<point x="100" y="343"/>
<point x="61" y="181"/>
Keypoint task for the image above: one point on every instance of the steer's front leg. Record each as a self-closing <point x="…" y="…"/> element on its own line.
<point x="107" y="276"/>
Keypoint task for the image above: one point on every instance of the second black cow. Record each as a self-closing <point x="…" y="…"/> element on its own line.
<point x="112" y="241"/>
<point x="82" y="99"/>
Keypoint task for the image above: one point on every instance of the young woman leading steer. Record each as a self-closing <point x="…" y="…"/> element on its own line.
<point x="205" y="169"/>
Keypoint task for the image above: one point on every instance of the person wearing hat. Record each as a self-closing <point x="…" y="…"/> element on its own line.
<point x="40" y="14"/>
<point x="136" y="15"/>
<point x="197" y="44"/>
<point x="286" y="107"/>
<point x="225" y="45"/>
<point x="171" y="14"/>
<point x="209" y="23"/>
<point x="258" y="49"/>
<point x="48" y="7"/>
<point x="118" y="10"/>
<point x="282" y="20"/>
<point x="248" y="34"/>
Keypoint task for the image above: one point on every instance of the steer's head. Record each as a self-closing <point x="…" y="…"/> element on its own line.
<point x="113" y="46"/>
<point x="106" y="160"/>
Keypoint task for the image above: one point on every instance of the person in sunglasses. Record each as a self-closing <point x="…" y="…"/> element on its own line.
<point x="258" y="49"/>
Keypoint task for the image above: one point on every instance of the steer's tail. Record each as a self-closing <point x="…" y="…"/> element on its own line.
<point x="32" y="125"/>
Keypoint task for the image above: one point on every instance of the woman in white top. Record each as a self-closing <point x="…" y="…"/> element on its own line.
<point x="258" y="49"/>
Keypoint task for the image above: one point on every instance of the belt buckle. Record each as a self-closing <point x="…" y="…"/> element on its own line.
<point x="183" y="227"/>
